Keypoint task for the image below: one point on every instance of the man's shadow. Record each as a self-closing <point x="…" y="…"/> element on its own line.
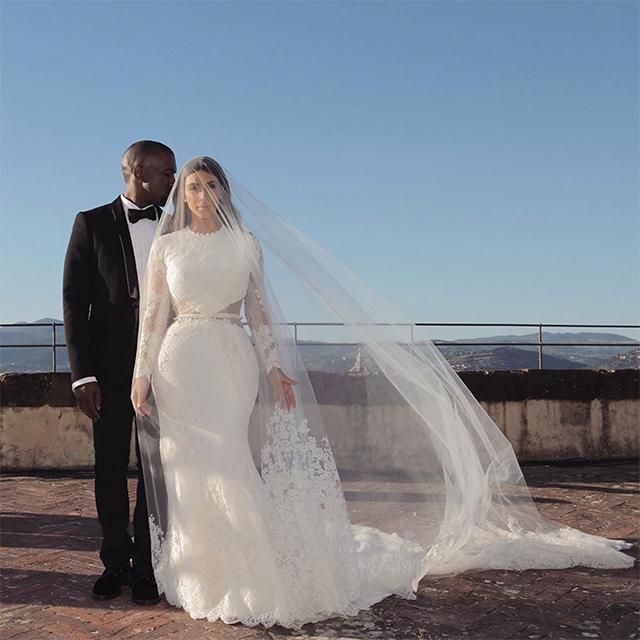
<point x="55" y="588"/>
<point x="21" y="584"/>
<point x="49" y="531"/>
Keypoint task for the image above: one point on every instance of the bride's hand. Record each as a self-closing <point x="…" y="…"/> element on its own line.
<point x="139" y="393"/>
<point x="281" y="384"/>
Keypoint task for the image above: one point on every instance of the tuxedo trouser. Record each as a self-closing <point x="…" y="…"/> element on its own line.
<point x="112" y="444"/>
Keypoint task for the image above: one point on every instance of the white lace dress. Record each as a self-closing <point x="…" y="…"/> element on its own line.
<point x="229" y="552"/>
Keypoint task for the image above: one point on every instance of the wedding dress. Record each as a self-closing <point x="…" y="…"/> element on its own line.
<point x="247" y="511"/>
<point x="228" y="552"/>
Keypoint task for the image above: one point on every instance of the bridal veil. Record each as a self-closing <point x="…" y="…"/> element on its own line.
<point x="389" y="438"/>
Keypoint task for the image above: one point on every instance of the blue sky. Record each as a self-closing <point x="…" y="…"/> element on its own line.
<point x="474" y="162"/>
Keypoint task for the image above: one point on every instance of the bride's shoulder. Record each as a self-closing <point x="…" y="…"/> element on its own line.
<point x="165" y="243"/>
<point x="167" y="239"/>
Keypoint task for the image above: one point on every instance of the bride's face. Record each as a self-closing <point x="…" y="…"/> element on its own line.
<point x="202" y="194"/>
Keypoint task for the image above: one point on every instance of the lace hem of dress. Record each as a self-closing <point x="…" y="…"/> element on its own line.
<point x="320" y="572"/>
<point x="269" y="620"/>
<point x="293" y="612"/>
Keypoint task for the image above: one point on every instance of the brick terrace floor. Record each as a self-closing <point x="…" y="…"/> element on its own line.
<point x="50" y="537"/>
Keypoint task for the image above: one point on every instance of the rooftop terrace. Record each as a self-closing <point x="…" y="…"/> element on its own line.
<point x="50" y="539"/>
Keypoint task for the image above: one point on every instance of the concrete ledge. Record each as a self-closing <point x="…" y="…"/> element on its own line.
<point x="554" y="384"/>
<point x="36" y="390"/>
<point x="54" y="389"/>
<point x="546" y="415"/>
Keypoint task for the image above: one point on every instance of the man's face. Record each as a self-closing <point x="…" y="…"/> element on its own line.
<point x="159" y="176"/>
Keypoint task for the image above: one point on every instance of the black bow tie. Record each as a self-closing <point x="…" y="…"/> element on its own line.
<point x="151" y="213"/>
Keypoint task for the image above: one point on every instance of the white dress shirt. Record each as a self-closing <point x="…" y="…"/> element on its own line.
<point x="142" y="234"/>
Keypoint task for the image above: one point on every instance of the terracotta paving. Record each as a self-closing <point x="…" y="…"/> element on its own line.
<point x="49" y="560"/>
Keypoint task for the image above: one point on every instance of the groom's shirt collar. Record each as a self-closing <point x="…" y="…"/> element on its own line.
<point x="129" y="204"/>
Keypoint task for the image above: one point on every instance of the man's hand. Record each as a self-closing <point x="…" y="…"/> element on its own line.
<point x="89" y="399"/>
<point x="139" y="393"/>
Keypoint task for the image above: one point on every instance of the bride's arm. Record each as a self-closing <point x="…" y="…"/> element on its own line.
<point x="255" y="310"/>
<point x="257" y="316"/>
<point x="154" y="321"/>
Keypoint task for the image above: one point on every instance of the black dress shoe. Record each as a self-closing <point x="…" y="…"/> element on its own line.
<point x="144" y="589"/>
<point x="109" y="584"/>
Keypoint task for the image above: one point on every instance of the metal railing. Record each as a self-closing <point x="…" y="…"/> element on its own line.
<point x="539" y="344"/>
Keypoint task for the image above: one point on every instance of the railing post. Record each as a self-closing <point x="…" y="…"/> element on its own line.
<point x="413" y="344"/>
<point x="53" y="346"/>
<point x="540" y="361"/>
<point x="295" y="332"/>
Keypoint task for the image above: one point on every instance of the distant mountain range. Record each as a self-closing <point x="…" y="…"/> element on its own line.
<point x="470" y="357"/>
<point x="463" y="355"/>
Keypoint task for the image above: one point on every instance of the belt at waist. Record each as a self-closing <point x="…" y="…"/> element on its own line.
<point x="214" y="316"/>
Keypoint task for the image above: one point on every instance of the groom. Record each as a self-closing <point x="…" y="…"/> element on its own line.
<point x="103" y="269"/>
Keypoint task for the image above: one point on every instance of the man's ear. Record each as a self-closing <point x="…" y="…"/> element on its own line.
<point x="138" y="173"/>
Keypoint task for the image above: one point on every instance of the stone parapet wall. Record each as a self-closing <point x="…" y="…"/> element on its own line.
<point x="546" y="415"/>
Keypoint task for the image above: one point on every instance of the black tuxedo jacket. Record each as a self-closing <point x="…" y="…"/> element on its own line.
<point x="101" y="296"/>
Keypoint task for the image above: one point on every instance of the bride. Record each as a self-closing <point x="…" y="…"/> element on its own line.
<point x="272" y="501"/>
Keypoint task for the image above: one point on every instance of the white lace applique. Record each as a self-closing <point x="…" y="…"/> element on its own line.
<point x="290" y="440"/>
<point x="159" y="558"/>
<point x="304" y="493"/>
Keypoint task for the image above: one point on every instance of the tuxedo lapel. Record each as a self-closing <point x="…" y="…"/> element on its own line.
<point x="127" y="251"/>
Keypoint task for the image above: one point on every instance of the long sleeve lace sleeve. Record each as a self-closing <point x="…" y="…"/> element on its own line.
<point x="257" y="316"/>
<point x="155" y="314"/>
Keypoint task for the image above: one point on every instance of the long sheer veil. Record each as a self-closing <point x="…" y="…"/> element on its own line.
<point x="397" y="443"/>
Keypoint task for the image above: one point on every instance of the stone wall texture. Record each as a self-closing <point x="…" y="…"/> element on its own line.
<point x="546" y="415"/>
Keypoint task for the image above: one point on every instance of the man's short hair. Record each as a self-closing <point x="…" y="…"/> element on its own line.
<point x="140" y="151"/>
